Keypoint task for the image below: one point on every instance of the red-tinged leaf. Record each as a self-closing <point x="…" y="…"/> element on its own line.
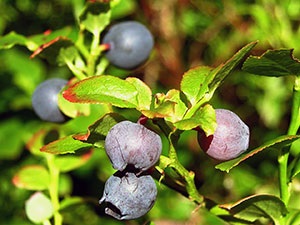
<point x="97" y="132"/>
<point x="166" y="109"/>
<point x="65" y="145"/>
<point x="103" y="89"/>
<point x="66" y="163"/>
<point x="276" y="143"/>
<point x="34" y="177"/>
<point x="257" y="206"/>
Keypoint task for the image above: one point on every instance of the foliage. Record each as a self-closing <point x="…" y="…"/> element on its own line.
<point x="64" y="166"/>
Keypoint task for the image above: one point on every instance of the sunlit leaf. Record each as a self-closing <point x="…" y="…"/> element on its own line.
<point x="103" y="89"/>
<point x="276" y="143"/>
<point x="144" y="95"/>
<point x="273" y="63"/>
<point x="204" y="118"/>
<point x="33" y="177"/>
<point x="258" y="206"/>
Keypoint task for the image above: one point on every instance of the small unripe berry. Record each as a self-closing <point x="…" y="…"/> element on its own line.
<point x="231" y="137"/>
<point x="128" y="196"/>
<point x="129" y="143"/>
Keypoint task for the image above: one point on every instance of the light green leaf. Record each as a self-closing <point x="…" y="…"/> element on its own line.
<point x="103" y="89"/>
<point x="204" y="118"/>
<point x="194" y="83"/>
<point x="33" y="177"/>
<point x="144" y="95"/>
<point x="67" y="163"/>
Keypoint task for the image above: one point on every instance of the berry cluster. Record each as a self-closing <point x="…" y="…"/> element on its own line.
<point x="132" y="149"/>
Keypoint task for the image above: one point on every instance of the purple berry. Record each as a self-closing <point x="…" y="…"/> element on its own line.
<point x="128" y="196"/>
<point x="130" y="44"/>
<point x="230" y="139"/>
<point x="44" y="100"/>
<point x="129" y="143"/>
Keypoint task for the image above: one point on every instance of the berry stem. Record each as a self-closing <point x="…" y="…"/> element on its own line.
<point x="284" y="153"/>
<point x="53" y="188"/>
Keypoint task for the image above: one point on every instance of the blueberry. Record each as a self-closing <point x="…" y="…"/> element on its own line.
<point x="44" y="100"/>
<point x="130" y="44"/>
<point x="129" y="143"/>
<point x="128" y="196"/>
<point x="230" y="139"/>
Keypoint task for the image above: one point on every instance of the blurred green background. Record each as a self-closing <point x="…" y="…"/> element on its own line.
<point x="187" y="33"/>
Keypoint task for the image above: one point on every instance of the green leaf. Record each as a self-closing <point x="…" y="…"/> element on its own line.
<point x="276" y="143"/>
<point x="65" y="145"/>
<point x="70" y="201"/>
<point x="258" y="206"/>
<point x="39" y="208"/>
<point x="273" y="63"/>
<point x="293" y="218"/>
<point x="144" y="95"/>
<point x="194" y="83"/>
<point x="103" y="89"/>
<point x="212" y="80"/>
<point x="33" y="177"/>
<point x="97" y="132"/>
<point x="67" y="163"/>
<point x="204" y="117"/>
<point x="11" y="39"/>
<point x="95" y="17"/>
<point x="165" y="109"/>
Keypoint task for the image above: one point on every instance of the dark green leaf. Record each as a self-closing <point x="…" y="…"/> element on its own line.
<point x="67" y="163"/>
<point x="95" y="17"/>
<point x="103" y="89"/>
<point x="97" y="132"/>
<point x="65" y="145"/>
<point x="276" y="143"/>
<point x="273" y="63"/>
<point x="258" y="206"/>
<point x="32" y="177"/>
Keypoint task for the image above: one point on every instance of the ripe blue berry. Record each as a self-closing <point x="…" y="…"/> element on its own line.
<point x="129" y="143"/>
<point x="230" y="139"/>
<point x="44" y="100"/>
<point x="130" y="44"/>
<point x="128" y="196"/>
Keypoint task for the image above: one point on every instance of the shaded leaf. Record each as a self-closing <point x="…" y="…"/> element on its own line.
<point x="95" y="17"/>
<point x="276" y="143"/>
<point x="70" y="201"/>
<point x="65" y="145"/>
<point x="33" y="177"/>
<point x="204" y="118"/>
<point x="257" y="206"/>
<point x="67" y="163"/>
<point x="97" y="132"/>
<point x="11" y="39"/>
<point x="273" y="63"/>
<point x="103" y="89"/>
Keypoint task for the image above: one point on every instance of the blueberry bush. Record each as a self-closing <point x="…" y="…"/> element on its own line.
<point x="150" y="112"/>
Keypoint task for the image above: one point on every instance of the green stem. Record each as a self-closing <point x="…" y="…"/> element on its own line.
<point x="53" y="189"/>
<point x="94" y="54"/>
<point x="188" y="176"/>
<point x="284" y="153"/>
